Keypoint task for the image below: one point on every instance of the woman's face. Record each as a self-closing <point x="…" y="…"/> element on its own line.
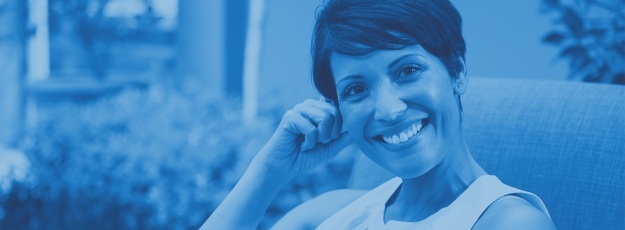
<point x="400" y="107"/>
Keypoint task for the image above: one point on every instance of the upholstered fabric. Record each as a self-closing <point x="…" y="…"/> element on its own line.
<point x="563" y="141"/>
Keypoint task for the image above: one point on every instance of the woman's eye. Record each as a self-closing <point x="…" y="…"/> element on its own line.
<point x="353" y="92"/>
<point x="409" y="70"/>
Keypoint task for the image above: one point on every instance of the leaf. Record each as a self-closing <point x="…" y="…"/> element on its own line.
<point x="619" y="48"/>
<point x="619" y="78"/>
<point x="574" y="51"/>
<point x="578" y="63"/>
<point x="552" y="3"/>
<point x="599" y="74"/>
<point x="597" y="32"/>
<point x="578" y="60"/>
<point x="573" y="21"/>
<point x="554" y="38"/>
<point x="549" y="5"/>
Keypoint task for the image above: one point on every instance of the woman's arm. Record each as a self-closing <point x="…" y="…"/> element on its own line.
<point x="308" y="135"/>
<point x="248" y="201"/>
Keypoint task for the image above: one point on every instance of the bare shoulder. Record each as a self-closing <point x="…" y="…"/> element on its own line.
<point x="513" y="213"/>
<point x="313" y="212"/>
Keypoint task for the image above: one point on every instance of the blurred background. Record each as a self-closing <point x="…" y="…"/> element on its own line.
<point x="142" y="114"/>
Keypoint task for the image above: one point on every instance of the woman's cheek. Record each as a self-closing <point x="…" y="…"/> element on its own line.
<point x="346" y="115"/>
<point x="353" y="119"/>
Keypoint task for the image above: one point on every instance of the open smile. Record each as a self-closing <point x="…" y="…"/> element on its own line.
<point x="404" y="135"/>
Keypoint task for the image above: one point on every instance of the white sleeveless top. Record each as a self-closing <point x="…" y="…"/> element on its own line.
<point x="367" y="212"/>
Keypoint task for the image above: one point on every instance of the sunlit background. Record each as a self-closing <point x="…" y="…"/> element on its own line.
<point x="135" y="114"/>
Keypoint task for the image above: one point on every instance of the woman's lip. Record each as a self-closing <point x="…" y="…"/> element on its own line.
<point x="408" y="143"/>
<point x="397" y="129"/>
<point x="405" y="135"/>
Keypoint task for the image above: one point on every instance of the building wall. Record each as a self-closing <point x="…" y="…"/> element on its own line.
<point x="285" y="54"/>
<point x="12" y="49"/>
<point x="201" y="44"/>
<point x="504" y="40"/>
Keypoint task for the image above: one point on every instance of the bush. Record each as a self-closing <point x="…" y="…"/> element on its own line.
<point x="144" y="159"/>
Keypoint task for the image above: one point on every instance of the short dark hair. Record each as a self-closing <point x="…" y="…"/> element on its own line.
<point x="358" y="27"/>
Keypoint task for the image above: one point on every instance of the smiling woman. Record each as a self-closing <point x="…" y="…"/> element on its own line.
<point x="393" y="75"/>
<point x="406" y="88"/>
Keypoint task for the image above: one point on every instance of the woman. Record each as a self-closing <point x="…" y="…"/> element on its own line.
<point x="393" y="73"/>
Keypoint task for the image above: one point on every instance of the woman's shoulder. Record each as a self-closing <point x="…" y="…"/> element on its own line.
<point x="488" y="203"/>
<point x="513" y="212"/>
<point x="313" y="212"/>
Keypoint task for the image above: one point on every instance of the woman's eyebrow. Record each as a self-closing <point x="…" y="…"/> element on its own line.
<point x="396" y="61"/>
<point x="350" y="77"/>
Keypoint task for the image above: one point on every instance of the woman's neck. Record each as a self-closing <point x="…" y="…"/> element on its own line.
<point x="420" y="197"/>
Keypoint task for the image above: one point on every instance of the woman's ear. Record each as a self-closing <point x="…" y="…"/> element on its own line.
<point x="461" y="81"/>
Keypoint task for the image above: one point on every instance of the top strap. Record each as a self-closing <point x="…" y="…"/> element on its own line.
<point x="470" y="205"/>
<point x="347" y="218"/>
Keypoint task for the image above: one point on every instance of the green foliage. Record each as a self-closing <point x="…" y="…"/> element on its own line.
<point x="145" y="159"/>
<point x="591" y="35"/>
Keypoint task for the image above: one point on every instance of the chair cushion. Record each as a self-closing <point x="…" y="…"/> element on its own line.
<point x="563" y="141"/>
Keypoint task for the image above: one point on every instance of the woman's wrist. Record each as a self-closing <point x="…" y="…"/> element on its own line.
<point x="249" y="199"/>
<point x="261" y="167"/>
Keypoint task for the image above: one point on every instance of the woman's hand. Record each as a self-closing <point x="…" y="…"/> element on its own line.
<point x="308" y="136"/>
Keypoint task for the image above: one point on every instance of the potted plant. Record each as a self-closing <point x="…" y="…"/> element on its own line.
<point x="591" y="36"/>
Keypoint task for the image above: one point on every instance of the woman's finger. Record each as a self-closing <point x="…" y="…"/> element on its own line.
<point x="322" y="114"/>
<point x="339" y="143"/>
<point x="337" y="124"/>
<point x="328" y="106"/>
<point x="325" y="128"/>
<point x="302" y="126"/>
<point x="337" y="127"/>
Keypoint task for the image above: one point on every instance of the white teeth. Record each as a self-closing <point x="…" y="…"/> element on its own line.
<point x="395" y="139"/>
<point x="404" y="135"/>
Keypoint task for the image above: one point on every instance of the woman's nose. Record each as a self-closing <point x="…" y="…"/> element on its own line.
<point x="388" y="104"/>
